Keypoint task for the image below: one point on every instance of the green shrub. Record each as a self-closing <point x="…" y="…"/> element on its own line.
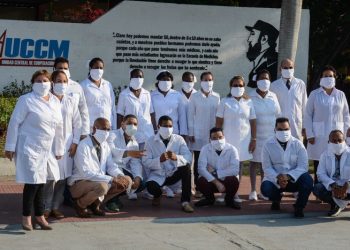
<point x="15" y="89"/>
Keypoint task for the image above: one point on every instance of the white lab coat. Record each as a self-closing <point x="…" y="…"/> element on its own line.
<point x="267" y="109"/>
<point x="201" y="117"/>
<point x="237" y="116"/>
<point x="170" y="105"/>
<point x="323" y="114"/>
<point x="100" y="101"/>
<point x="185" y="103"/>
<point x="326" y="170"/>
<point x="292" y="102"/>
<point x="225" y="164"/>
<point x="62" y="168"/>
<point x="141" y="107"/>
<point x="88" y="167"/>
<point x="76" y="91"/>
<point x="157" y="171"/>
<point x="116" y="142"/>
<point x="292" y="161"/>
<point x="35" y="125"/>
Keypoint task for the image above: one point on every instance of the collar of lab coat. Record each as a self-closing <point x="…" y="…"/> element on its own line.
<point x="157" y="138"/>
<point x="171" y="91"/>
<point x="183" y="94"/>
<point x="121" y="135"/>
<point x="290" y="142"/>
<point x="226" y="148"/>
<point x="255" y="94"/>
<point x="342" y="159"/>
<point x="130" y="93"/>
<point x="93" y="150"/>
<point x="334" y="92"/>
<point x="103" y="82"/>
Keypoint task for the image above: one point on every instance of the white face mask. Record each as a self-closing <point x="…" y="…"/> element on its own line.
<point x="237" y="91"/>
<point x="337" y="149"/>
<point x="101" y="135"/>
<point x="60" y="88"/>
<point x="66" y="71"/>
<point x="130" y="130"/>
<point x="287" y="73"/>
<point x="41" y="88"/>
<point x="136" y="83"/>
<point x="96" y="74"/>
<point x="327" y="82"/>
<point x="187" y="86"/>
<point x="165" y="132"/>
<point x="218" y="144"/>
<point x="165" y="86"/>
<point x="283" y="136"/>
<point x="207" y="86"/>
<point x="263" y="85"/>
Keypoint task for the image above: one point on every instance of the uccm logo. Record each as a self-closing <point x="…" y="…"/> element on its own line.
<point x="30" y="52"/>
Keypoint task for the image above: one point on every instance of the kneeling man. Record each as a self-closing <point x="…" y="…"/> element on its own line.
<point x="89" y="182"/>
<point x="285" y="164"/>
<point x="218" y="168"/>
<point x="333" y="174"/>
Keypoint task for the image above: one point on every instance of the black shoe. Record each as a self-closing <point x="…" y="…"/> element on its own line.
<point x="235" y="205"/>
<point x="335" y="210"/>
<point x="298" y="212"/>
<point x="204" y="202"/>
<point x="275" y="206"/>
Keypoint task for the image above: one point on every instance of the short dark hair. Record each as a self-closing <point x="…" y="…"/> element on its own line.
<point x="329" y="67"/>
<point x="134" y="71"/>
<point x="164" y="74"/>
<point x="55" y="74"/>
<point x="164" y="118"/>
<point x="100" y="120"/>
<point x="95" y="60"/>
<point x="60" y="60"/>
<point x="206" y="73"/>
<point x="281" y="120"/>
<point x="335" y="131"/>
<point x="263" y="71"/>
<point x="187" y="73"/>
<point x="129" y="116"/>
<point x="215" y="130"/>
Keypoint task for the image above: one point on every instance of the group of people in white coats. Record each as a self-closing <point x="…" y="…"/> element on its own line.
<point x="66" y="135"/>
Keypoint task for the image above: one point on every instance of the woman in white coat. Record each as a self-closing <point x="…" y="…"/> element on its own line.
<point x="326" y="110"/>
<point x="236" y="115"/>
<point x="99" y="94"/>
<point x="267" y="109"/>
<point x="35" y="122"/>
<point x="60" y="170"/>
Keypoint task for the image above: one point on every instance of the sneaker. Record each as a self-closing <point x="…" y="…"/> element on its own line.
<point x="57" y="214"/>
<point x="147" y="195"/>
<point x="262" y="197"/>
<point x="156" y="201"/>
<point x="169" y="192"/>
<point x="114" y="206"/>
<point x="253" y="196"/>
<point x="298" y="212"/>
<point x="335" y="211"/>
<point x="275" y="206"/>
<point x="132" y="196"/>
<point x="204" y="202"/>
<point x="221" y="198"/>
<point x="234" y="205"/>
<point x="198" y="195"/>
<point x="186" y="207"/>
<point x="237" y="199"/>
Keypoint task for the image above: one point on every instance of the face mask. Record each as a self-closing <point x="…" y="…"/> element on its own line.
<point x="66" y="71"/>
<point x="165" y="86"/>
<point x="263" y="85"/>
<point x="218" y="144"/>
<point x="96" y="74"/>
<point x="130" y="130"/>
<point x="287" y="73"/>
<point x="136" y="83"/>
<point x="165" y="132"/>
<point x="187" y="86"/>
<point x="283" y="136"/>
<point x="101" y="135"/>
<point x="337" y="149"/>
<point x="237" y="91"/>
<point x="42" y="88"/>
<point x="327" y="82"/>
<point x="207" y="86"/>
<point x="60" y="88"/>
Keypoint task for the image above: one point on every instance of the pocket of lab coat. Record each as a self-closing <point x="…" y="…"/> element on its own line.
<point x="293" y="160"/>
<point x="31" y="149"/>
<point x="318" y="128"/>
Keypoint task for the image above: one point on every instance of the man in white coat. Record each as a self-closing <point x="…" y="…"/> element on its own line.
<point x="218" y="167"/>
<point x="285" y="164"/>
<point x="292" y="97"/>
<point x="334" y="174"/>
<point x="167" y="160"/>
<point x="92" y="162"/>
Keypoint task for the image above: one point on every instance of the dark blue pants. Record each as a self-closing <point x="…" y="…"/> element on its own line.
<point x="303" y="186"/>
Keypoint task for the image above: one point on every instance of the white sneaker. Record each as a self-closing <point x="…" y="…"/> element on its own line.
<point x="147" y="195"/>
<point x="237" y="199"/>
<point x="253" y="196"/>
<point x="132" y="196"/>
<point x="221" y="198"/>
<point x="169" y="192"/>
<point x="262" y="197"/>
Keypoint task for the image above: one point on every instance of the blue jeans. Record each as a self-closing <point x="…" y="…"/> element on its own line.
<point x="303" y="186"/>
<point x="323" y="194"/>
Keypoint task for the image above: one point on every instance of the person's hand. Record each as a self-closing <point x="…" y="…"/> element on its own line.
<point x="83" y="137"/>
<point x="172" y="156"/>
<point x="191" y="139"/>
<point x="219" y="186"/>
<point x="164" y="157"/>
<point x="9" y="155"/>
<point x="282" y="180"/>
<point x="59" y="157"/>
<point x="340" y="192"/>
<point x="72" y="149"/>
<point x="136" y="184"/>
<point x="136" y="153"/>
<point x="311" y="140"/>
<point x="252" y="146"/>
<point x="210" y="168"/>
